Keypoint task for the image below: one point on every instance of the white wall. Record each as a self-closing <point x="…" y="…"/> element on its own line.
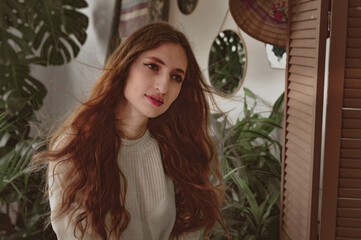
<point x="72" y="82"/>
<point x="203" y="25"/>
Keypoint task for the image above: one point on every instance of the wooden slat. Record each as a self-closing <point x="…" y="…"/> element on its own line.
<point x="292" y="182"/>
<point x="349" y="193"/>
<point x="298" y="145"/>
<point x="302" y="70"/>
<point x="354" y="12"/>
<point x="291" y="227"/>
<point x="305" y="16"/>
<point x="348" y="212"/>
<point x="294" y="160"/>
<point x="309" y="90"/>
<point x="351" y="133"/>
<point x="351" y="153"/>
<point x="306" y="80"/>
<point x="347" y="222"/>
<point x="348" y="232"/>
<point x="303" y="52"/>
<point x="302" y="124"/>
<point x="301" y="115"/>
<point x="349" y="203"/>
<point x="344" y="238"/>
<point x="301" y="97"/>
<point x="354" y="32"/>
<point x="350" y="173"/>
<point x="304" y="43"/>
<point x="349" y="183"/>
<point x="303" y="61"/>
<point x="350" y="163"/>
<point x="303" y="25"/>
<point x="351" y="123"/>
<point x="351" y="113"/>
<point x="299" y="132"/>
<point x="352" y="103"/>
<point x="307" y="6"/>
<point x="296" y="217"/>
<point x="293" y="232"/>
<point x="295" y="3"/>
<point x="354" y="22"/>
<point x="304" y="34"/>
<point x="292" y="196"/>
<point x="294" y="157"/>
<point x="299" y="154"/>
<point x="353" y="83"/>
<point x="352" y="93"/>
<point x="351" y="143"/>
<point x="296" y="140"/>
<point x="297" y="148"/>
<point x="354" y="43"/>
<point x="353" y="62"/>
<point x="353" y="52"/>
<point x="299" y="174"/>
<point x="354" y="3"/>
<point x="295" y="198"/>
<point x="301" y="147"/>
<point x="353" y="73"/>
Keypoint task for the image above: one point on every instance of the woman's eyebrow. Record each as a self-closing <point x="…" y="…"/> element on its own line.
<point x="162" y="63"/>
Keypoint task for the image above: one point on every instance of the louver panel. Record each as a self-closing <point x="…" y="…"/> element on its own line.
<point x="341" y="204"/>
<point x="304" y="80"/>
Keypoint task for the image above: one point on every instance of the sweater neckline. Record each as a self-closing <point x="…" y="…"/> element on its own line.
<point x="137" y="144"/>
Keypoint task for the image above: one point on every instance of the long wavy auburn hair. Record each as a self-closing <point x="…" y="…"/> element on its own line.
<point x="93" y="146"/>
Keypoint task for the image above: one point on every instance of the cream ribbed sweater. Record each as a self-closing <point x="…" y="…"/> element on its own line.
<point x="150" y="196"/>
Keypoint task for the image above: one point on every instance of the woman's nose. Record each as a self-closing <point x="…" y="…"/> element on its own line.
<point x="162" y="84"/>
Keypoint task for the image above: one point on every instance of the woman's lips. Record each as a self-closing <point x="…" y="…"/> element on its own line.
<point x="155" y="100"/>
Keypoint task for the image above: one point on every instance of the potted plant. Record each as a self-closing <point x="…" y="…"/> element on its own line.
<point x="31" y="32"/>
<point x="251" y="167"/>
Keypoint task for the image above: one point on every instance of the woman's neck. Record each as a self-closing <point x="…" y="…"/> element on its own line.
<point x="131" y="123"/>
<point x="132" y="131"/>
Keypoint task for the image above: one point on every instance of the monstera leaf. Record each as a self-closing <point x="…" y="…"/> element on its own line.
<point x="64" y="23"/>
<point x="54" y="29"/>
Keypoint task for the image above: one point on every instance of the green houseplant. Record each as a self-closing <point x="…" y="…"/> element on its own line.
<point x="42" y="32"/>
<point x="250" y="163"/>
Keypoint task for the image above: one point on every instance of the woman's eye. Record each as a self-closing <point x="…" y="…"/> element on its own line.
<point x="152" y="66"/>
<point x="178" y="78"/>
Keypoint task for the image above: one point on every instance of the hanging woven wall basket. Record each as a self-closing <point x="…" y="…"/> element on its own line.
<point x="264" y="20"/>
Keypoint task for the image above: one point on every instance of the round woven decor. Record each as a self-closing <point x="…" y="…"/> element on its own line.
<point x="264" y="20"/>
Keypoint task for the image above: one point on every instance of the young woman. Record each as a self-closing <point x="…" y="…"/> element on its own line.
<point x="135" y="160"/>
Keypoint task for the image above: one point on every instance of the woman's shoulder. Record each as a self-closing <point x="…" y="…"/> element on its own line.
<point x="61" y="139"/>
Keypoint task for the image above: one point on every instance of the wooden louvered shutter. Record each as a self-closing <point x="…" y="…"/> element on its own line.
<point x="341" y="196"/>
<point x="303" y="118"/>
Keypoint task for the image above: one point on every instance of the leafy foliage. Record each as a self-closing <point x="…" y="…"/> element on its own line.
<point x="34" y="32"/>
<point x="250" y="163"/>
<point x="43" y="32"/>
<point x="18" y="186"/>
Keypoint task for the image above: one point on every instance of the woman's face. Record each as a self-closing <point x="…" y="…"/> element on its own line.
<point x="155" y="80"/>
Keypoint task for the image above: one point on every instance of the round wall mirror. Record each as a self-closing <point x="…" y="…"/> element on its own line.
<point x="227" y="62"/>
<point x="187" y="6"/>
